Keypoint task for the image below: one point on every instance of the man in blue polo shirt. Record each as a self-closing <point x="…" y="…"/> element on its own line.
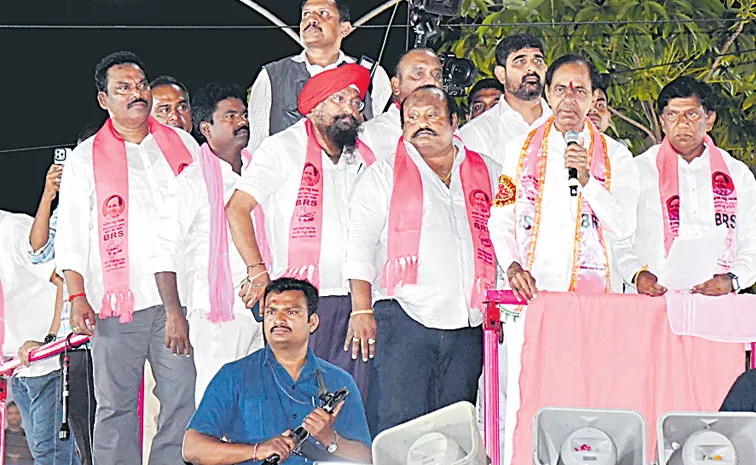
<point x="254" y="403"/>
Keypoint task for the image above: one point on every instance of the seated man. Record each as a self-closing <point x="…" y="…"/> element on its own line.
<point x="255" y="402"/>
<point x="742" y="395"/>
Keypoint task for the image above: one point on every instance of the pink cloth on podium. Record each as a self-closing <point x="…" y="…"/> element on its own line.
<point x="615" y="351"/>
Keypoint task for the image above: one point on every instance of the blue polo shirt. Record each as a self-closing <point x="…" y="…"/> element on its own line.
<point x="254" y="399"/>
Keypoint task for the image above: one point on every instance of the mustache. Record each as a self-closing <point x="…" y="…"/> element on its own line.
<point x="313" y="26"/>
<point x="277" y="327"/>
<point x="528" y="76"/>
<point x="243" y="128"/>
<point x="139" y="100"/>
<point x="428" y="130"/>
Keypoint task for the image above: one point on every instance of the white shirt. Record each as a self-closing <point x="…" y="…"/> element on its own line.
<point x="184" y="231"/>
<point x="492" y="131"/>
<point x="696" y="215"/>
<point x="273" y="178"/>
<point x="441" y="299"/>
<point x="615" y="210"/>
<point x="29" y="296"/>
<point x="382" y="133"/>
<point x="76" y="245"/>
<point x="260" y="96"/>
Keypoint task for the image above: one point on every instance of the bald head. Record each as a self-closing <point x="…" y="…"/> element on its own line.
<point x="416" y="68"/>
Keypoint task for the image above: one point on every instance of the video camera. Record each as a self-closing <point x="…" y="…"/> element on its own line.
<point x="459" y="74"/>
<point x="425" y="17"/>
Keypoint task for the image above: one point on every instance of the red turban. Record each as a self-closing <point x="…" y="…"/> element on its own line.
<point x="323" y="85"/>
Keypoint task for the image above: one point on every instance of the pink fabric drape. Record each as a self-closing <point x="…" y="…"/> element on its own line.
<point x="615" y="351"/>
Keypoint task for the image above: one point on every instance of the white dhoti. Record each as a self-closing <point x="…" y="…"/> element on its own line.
<point x="215" y="345"/>
<point x="515" y="337"/>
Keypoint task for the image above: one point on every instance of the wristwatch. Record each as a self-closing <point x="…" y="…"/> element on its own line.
<point x="735" y="282"/>
<point x="50" y="338"/>
<point x="331" y="448"/>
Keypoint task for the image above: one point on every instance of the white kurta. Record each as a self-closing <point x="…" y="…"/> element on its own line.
<point x="184" y="235"/>
<point x="696" y="215"/>
<point x="29" y="296"/>
<point x="446" y="260"/>
<point x="554" y="257"/>
<point x="77" y="247"/>
<point x="491" y="132"/>
<point x="273" y="178"/>
<point x="382" y="133"/>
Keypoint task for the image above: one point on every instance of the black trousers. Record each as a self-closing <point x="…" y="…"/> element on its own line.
<point x="418" y="370"/>
<point x="81" y="401"/>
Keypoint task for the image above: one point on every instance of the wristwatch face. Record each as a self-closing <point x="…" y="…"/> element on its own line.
<point x="332" y="447"/>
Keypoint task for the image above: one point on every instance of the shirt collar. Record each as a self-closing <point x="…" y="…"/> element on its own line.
<point x="302" y="58"/>
<point x="504" y="107"/>
<point x="308" y="370"/>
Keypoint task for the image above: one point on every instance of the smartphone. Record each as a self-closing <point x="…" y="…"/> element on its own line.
<point x="367" y="62"/>
<point x="60" y="154"/>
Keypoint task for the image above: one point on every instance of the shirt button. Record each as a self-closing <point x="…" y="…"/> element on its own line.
<point x="294" y="416"/>
<point x="294" y="387"/>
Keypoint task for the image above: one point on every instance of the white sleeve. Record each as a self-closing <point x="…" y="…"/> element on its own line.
<point x="381" y="90"/>
<point x="72" y="242"/>
<point x="19" y="237"/>
<point x="744" y="266"/>
<point x="368" y="216"/>
<point x="616" y="210"/>
<point x="627" y="261"/>
<point x="260" y="99"/>
<point x="265" y="174"/>
<point x="178" y="212"/>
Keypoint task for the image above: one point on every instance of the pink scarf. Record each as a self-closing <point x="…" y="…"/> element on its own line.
<point x="259" y="216"/>
<point x="112" y="194"/>
<point x="306" y="225"/>
<point x="219" y="269"/>
<point x="590" y="268"/>
<point x="406" y="216"/>
<point x="725" y="197"/>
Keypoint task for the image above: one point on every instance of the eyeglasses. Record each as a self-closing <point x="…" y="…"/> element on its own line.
<point x="124" y="88"/>
<point x="355" y="104"/>
<point x="672" y="116"/>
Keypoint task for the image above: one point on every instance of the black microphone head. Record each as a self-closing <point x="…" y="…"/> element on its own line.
<point x="571" y="137"/>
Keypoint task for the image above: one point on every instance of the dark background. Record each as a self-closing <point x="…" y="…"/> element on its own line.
<point x="46" y="74"/>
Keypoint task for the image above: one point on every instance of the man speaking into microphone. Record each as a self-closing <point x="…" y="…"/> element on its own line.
<point x="546" y="238"/>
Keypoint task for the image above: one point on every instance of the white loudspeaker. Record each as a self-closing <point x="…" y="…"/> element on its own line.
<point x="448" y="436"/>
<point x="575" y="436"/>
<point x="703" y="438"/>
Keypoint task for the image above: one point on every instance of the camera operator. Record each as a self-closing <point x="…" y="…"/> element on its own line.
<point x="414" y="69"/>
<point x="273" y="99"/>
<point x="483" y="96"/>
<point x="255" y="402"/>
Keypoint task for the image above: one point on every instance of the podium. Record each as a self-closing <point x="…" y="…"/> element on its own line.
<point x="624" y="329"/>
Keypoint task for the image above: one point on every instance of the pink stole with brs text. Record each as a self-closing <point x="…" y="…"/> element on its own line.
<point x="725" y="197"/>
<point x="112" y="194"/>
<point x="306" y="227"/>
<point x="590" y="267"/>
<point x="406" y="217"/>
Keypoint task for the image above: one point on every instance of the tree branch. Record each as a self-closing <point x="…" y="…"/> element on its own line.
<point x="727" y="45"/>
<point x="654" y="118"/>
<point x="635" y="123"/>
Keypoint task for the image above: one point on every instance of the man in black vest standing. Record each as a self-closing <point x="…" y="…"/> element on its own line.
<point x="273" y="100"/>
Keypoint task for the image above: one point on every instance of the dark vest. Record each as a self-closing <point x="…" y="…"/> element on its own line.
<point x="287" y="79"/>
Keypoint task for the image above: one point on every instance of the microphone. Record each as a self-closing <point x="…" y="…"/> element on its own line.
<point x="572" y="175"/>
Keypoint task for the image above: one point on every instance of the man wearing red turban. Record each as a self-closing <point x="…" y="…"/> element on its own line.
<point x="302" y="178"/>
